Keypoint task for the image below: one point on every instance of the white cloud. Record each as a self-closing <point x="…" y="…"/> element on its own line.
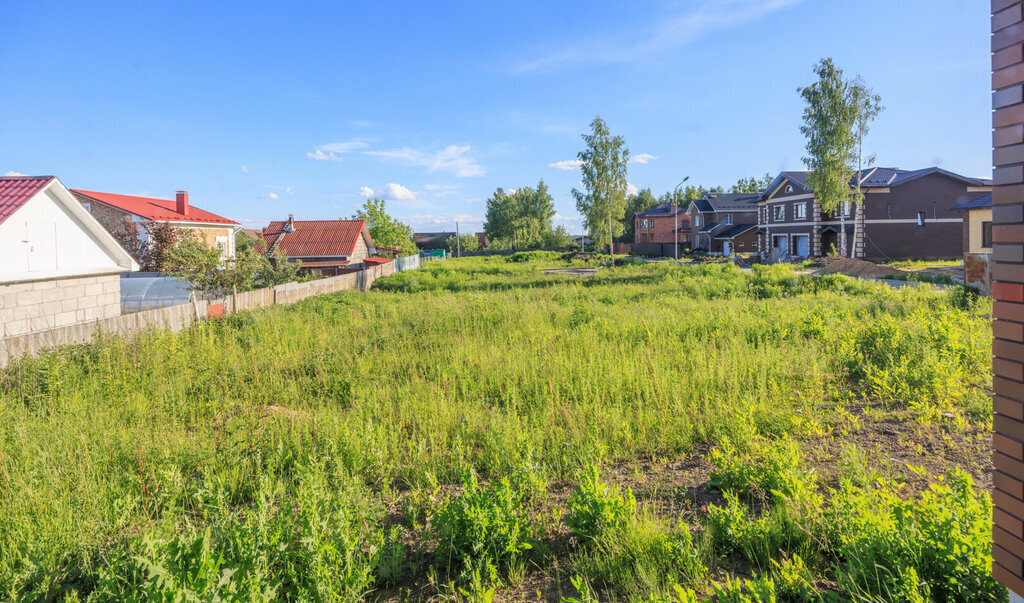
<point x="631" y="190"/>
<point x="468" y="223"/>
<point x="245" y="169"/>
<point x="567" y="165"/>
<point x="388" y="192"/>
<point x="270" y="196"/>
<point x="454" y="159"/>
<point x="642" y="158"/>
<point x="13" y="173"/>
<point x="705" y="19"/>
<point x="344" y="147"/>
<point x="288" y="190"/>
<point x="321" y="156"/>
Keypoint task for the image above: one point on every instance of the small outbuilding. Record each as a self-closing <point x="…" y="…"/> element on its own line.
<point x="58" y="265"/>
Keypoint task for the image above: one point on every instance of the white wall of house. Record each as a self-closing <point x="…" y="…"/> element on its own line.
<point x="33" y="306"/>
<point x="43" y="239"/>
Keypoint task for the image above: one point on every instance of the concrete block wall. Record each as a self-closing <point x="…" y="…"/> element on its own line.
<point x="36" y="306"/>
<point x="180" y="317"/>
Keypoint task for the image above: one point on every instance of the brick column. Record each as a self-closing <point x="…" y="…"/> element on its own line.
<point x="1008" y="294"/>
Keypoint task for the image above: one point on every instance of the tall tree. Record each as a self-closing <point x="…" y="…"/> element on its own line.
<point x="836" y="119"/>
<point x="602" y="203"/>
<point x="522" y="217"/>
<point x="385" y="230"/>
<point x="868" y="106"/>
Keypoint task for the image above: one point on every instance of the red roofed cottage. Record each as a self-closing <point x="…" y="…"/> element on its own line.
<point x="328" y="246"/>
<point x="58" y="265"/>
<point x="109" y="209"/>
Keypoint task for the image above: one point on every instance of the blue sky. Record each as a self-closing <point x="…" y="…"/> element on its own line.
<point x="260" y="110"/>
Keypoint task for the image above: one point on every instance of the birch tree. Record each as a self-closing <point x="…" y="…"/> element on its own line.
<point x="602" y="202"/>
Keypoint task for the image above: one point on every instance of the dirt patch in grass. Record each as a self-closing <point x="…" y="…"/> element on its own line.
<point x="852" y="267"/>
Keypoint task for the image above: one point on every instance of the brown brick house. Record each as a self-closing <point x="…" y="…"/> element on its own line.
<point x="724" y="223"/>
<point x="905" y="214"/>
<point x="659" y="224"/>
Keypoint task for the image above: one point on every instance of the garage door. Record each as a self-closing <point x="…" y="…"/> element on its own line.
<point x="801" y="245"/>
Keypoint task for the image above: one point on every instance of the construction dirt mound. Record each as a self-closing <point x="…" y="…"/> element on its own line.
<point x="851" y="267"/>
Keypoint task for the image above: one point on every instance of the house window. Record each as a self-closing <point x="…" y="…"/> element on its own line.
<point x="800" y="211"/>
<point x="728" y="219"/>
<point x="986" y="234"/>
<point x="696" y="220"/>
<point x="846" y="208"/>
<point x="920" y="218"/>
<point x="222" y="244"/>
<point x="780" y="213"/>
<point x="789" y="188"/>
<point x="739" y="244"/>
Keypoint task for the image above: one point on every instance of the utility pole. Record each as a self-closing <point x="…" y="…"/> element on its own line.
<point x="675" y="212"/>
<point x="458" y="241"/>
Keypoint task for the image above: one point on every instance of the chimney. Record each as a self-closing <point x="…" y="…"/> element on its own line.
<point x="290" y="226"/>
<point x="182" y="198"/>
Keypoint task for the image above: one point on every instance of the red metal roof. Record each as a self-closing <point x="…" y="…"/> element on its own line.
<point x="377" y="261"/>
<point x="316" y="238"/>
<point x="16" y="190"/>
<point x="158" y="210"/>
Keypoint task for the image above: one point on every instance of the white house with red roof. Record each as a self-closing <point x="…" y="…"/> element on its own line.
<point x="109" y="209"/>
<point x="328" y="246"/>
<point x="58" y="265"/>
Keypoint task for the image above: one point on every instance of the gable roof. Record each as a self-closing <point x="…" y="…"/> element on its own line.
<point x="735" y="231"/>
<point x="317" y="238"/>
<point x="157" y="210"/>
<point x="723" y="202"/>
<point x="15" y="191"/>
<point x="662" y="211"/>
<point x="874" y="177"/>
<point x="982" y="202"/>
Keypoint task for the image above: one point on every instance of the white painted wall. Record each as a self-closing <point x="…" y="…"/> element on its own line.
<point x="43" y="240"/>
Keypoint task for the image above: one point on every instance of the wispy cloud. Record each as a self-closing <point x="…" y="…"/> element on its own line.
<point x="361" y="123"/>
<point x="321" y="156"/>
<point x="708" y="17"/>
<point x="245" y="169"/>
<point x="566" y="165"/>
<point x="642" y="158"/>
<point x="332" y="151"/>
<point x="631" y="189"/>
<point x="13" y="173"/>
<point x="454" y="159"/>
<point x="388" y="192"/>
<point x="270" y="196"/>
<point x="444" y="222"/>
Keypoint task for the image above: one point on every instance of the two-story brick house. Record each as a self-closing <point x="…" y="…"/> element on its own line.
<point x="904" y="214"/>
<point x="724" y="223"/>
<point x="660" y="224"/>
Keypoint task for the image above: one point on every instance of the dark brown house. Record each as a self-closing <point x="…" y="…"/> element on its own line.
<point x="905" y="214"/>
<point x="724" y="223"/>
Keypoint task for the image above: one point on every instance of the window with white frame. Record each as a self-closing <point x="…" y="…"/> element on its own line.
<point x="728" y="219"/>
<point x="696" y="220"/>
<point x="920" y="218"/>
<point x="846" y="208"/>
<point x="800" y="211"/>
<point x="222" y="244"/>
<point x="780" y="213"/>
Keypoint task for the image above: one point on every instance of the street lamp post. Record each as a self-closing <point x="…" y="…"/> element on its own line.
<point x="675" y="212"/>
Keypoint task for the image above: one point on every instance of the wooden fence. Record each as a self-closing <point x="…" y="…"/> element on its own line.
<point x="180" y="317"/>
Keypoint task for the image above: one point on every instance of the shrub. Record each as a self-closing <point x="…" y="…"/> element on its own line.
<point x="764" y="470"/>
<point x="938" y="547"/>
<point x="641" y="557"/>
<point x="595" y="508"/>
<point x="483" y="531"/>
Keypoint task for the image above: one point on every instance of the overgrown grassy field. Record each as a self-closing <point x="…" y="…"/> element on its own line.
<point x="479" y="429"/>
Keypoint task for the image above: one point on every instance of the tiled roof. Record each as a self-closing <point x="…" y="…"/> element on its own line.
<point x="315" y="238"/>
<point x="982" y="202"/>
<point x="709" y="227"/>
<point x="735" y="231"/>
<point x="881" y="177"/>
<point x="15" y="191"/>
<point x="661" y="211"/>
<point x="158" y="210"/>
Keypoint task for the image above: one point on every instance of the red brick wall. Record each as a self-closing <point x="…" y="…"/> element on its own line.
<point x="1008" y="291"/>
<point x="662" y="230"/>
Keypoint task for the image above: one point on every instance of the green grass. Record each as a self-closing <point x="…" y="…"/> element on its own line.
<point x="321" y="450"/>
